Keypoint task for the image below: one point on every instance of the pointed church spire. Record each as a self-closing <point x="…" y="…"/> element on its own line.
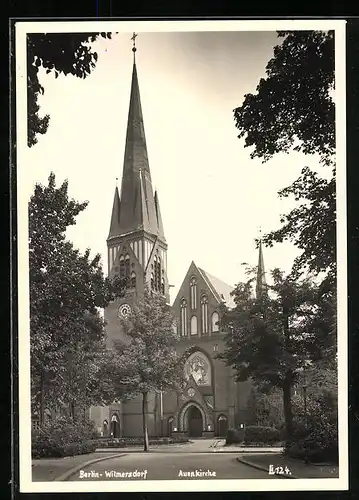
<point x="115" y="217"/>
<point x="261" y="278"/>
<point x="161" y="233"/>
<point x="138" y="208"/>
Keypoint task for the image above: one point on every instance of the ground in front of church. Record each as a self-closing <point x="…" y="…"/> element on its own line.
<point x="199" y="459"/>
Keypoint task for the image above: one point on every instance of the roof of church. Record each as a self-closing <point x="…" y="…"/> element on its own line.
<point x="220" y="289"/>
<point x="137" y="207"/>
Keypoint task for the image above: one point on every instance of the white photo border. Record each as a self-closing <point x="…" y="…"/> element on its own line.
<point x="26" y="483"/>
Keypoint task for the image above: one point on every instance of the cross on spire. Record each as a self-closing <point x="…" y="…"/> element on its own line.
<point x="133" y="38"/>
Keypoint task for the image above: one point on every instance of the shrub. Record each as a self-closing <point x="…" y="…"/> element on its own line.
<point x="260" y="434"/>
<point x="316" y="439"/>
<point x="63" y="436"/>
<point x="309" y="450"/>
<point x="234" y="436"/>
<point x="300" y="430"/>
<point x="88" y="447"/>
<point x="138" y="441"/>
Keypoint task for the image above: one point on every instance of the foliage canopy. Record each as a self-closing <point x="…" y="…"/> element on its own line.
<point x="66" y="53"/>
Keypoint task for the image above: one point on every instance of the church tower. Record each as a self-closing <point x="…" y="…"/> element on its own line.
<point x="261" y="284"/>
<point x="137" y="248"/>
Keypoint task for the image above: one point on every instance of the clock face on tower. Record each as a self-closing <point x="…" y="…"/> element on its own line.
<point x="124" y="310"/>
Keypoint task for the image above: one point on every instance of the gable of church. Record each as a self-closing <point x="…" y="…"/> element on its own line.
<point x="197" y="305"/>
<point x="192" y="392"/>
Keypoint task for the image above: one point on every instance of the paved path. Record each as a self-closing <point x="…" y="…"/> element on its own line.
<point x="156" y="466"/>
<point x="47" y="469"/>
<point x="194" y="446"/>
<point x="220" y="445"/>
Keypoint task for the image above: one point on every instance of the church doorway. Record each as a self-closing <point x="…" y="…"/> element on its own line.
<point x="115" y="426"/>
<point x="195" y="422"/>
<point x="222" y="426"/>
<point x="105" y="428"/>
<point x="169" y="426"/>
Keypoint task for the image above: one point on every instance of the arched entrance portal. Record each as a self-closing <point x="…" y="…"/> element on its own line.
<point x="195" y="422"/>
<point x="105" y="428"/>
<point x="222" y="426"/>
<point x="169" y="426"/>
<point x="115" y="426"/>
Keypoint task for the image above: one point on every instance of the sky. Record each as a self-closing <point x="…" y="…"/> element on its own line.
<point x="213" y="196"/>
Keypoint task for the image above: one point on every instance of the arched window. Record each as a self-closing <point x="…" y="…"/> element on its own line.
<point x="159" y="273"/>
<point x="215" y="321"/>
<point x="199" y="367"/>
<point x="183" y="317"/>
<point x="133" y="280"/>
<point x="193" y="289"/>
<point x="194" y="325"/>
<point x="152" y="282"/>
<point x="155" y="269"/>
<point x="222" y="426"/>
<point x="127" y="266"/>
<point x="163" y="286"/>
<point x="122" y="266"/>
<point x="204" y="314"/>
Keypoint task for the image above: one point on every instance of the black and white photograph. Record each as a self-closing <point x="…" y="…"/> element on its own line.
<point x="181" y="242"/>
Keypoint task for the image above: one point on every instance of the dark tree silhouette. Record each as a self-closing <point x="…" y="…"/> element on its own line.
<point x="293" y="109"/>
<point x="272" y="338"/>
<point x="70" y="363"/>
<point x="67" y="53"/>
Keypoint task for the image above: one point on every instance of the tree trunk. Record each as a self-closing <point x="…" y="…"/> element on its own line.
<point x="42" y="399"/>
<point x="287" y="404"/>
<point x="144" y="417"/>
<point x="288" y="381"/>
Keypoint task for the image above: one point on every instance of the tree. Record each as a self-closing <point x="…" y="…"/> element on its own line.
<point x="271" y="338"/>
<point x="84" y="376"/>
<point x="316" y="417"/>
<point x="269" y="408"/>
<point x="149" y="358"/>
<point x="67" y="53"/>
<point x="67" y="338"/>
<point x="293" y="109"/>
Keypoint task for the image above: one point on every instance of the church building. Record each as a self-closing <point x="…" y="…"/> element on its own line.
<point x="211" y="401"/>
